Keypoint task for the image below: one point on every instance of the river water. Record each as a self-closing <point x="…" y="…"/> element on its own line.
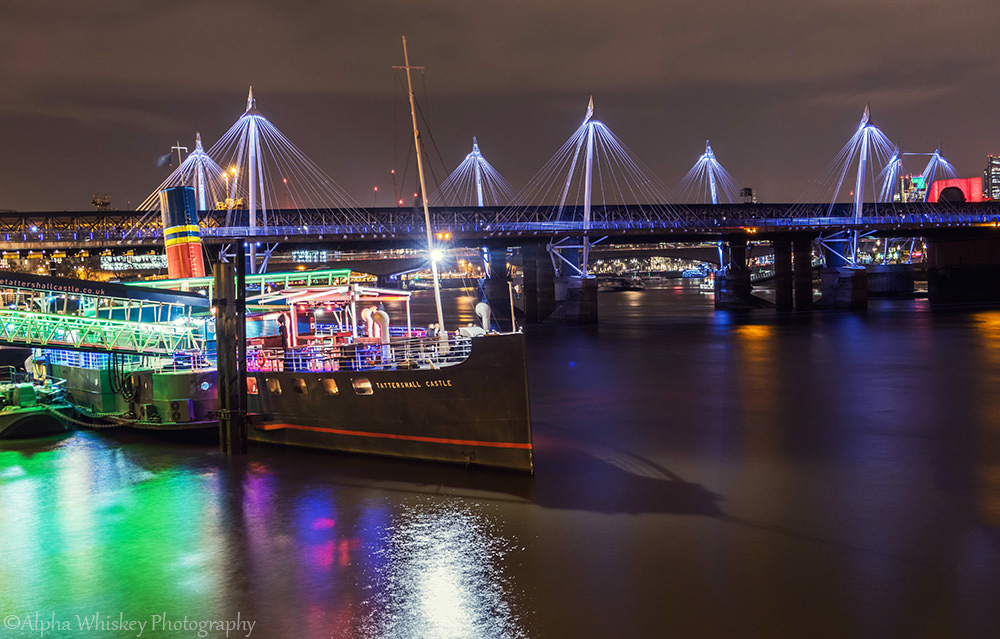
<point x="699" y="473"/>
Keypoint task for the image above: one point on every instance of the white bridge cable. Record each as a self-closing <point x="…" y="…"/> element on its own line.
<point x="868" y="152"/>
<point x="461" y="188"/>
<point x="285" y="177"/>
<point x="622" y="184"/>
<point x="708" y="182"/>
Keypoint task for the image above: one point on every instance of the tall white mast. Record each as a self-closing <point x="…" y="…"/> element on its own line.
<point x="423" y="193"/>
<point x="588" y="173"/>
<point x="477" y="165"/>
<point x="252" y="176"/>
<point x="200" y="179"/>
<point x="713" y="188"/>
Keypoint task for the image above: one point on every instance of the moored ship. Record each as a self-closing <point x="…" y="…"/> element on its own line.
<point x="345" y="385"/>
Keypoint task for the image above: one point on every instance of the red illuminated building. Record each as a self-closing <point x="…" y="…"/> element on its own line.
<point x="970" y="188"/>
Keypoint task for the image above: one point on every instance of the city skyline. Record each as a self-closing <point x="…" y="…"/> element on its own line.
<point x="94" y="96"/>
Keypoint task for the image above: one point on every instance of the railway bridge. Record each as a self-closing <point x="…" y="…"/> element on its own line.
<point x="963" y="242"/>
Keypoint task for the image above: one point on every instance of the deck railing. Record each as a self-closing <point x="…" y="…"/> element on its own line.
<point x="408" y="353"/>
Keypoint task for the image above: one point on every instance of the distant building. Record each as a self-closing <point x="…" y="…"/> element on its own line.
<point x="991" y="178"/>
<point x="957" y="190"/>
<point x="911" y="188"/>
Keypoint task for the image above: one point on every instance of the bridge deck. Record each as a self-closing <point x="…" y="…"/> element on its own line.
<point x="117" y="231"/>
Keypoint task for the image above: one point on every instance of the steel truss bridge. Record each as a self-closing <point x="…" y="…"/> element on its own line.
<point x="391" y="227"/>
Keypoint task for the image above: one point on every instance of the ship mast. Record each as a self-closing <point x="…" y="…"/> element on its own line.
<point x="423" y="193"/>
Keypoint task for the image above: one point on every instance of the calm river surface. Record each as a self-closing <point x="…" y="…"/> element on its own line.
<point x="699" y="473"/>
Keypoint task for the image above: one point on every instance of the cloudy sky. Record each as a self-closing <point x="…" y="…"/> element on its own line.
<point x="93" y="91"/>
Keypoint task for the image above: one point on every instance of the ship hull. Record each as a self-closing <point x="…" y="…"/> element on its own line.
<point x="476" y="412"/>
<point x="35" y="421"/>
<point x="473" y="412"/>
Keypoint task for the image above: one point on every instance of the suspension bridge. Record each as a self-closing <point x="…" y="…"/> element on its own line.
<point x="256" y="187"/>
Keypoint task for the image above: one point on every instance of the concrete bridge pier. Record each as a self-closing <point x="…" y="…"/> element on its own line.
<point x="890" y="280"/>
<point x="844" y="287"/>
<point x="732" y="283"/>
<point x="546" y="295"/>
<point x="783" y="280"/>
<point x="576" y="299"/>
<point x="803" y="272"/>
<point x="527" y="295"/>
<point x="497" y="291"/>
<point x="964" y="268"/>
<point x="537" y="296"/>
<point x="842" y="284"/>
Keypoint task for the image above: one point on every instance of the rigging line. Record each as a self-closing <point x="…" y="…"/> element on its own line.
<point x="427" y="126"/>
<point x="430" y="135"/>
<point x="406" y="167"/>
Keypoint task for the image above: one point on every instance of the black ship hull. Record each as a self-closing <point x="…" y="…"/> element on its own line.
<point x="474" y="412"/>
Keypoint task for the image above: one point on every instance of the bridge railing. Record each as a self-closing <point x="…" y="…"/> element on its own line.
<point x="136" y="228"/>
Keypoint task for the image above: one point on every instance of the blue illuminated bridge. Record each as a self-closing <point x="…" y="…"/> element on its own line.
<point x="402" y="227"/>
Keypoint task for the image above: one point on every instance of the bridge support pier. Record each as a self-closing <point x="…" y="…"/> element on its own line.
<point x="497" y="290"/>
<point x="537" y="297"/>
<point x="783" y="295"/>
<point x="803" y="272"/>
<point x="844" y="287"/>
<point x="963" y="269"/>
<point x="576" y="299"/>
<point x="546" y="296"/>
<point x="890" y="280"/>
<point x="732" y="284"/>
<point x="528" y="293"/>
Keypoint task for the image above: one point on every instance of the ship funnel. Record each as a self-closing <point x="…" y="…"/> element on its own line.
<point x="181" y="233"/>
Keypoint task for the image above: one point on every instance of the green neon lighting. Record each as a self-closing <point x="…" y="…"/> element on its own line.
<point x="48" y="330"/>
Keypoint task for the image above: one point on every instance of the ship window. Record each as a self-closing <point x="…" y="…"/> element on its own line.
<point x="362" y="386"/>
<point x="273" y="386"/>
<point x="252" y="386"/>
<point x="299" y="385"/>
<point x="330" y="386"/>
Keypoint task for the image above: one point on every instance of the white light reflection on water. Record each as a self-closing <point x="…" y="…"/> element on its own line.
<point x="438" y="574"/>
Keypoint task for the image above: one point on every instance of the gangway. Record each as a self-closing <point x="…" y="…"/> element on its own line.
<point x="52" y="330"/>
<point x="62" y="313"/>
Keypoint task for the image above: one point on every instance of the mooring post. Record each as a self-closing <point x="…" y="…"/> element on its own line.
<point x="239" y="443"/>
<point x="222" y="273"/>
<point x="230" y="340"/>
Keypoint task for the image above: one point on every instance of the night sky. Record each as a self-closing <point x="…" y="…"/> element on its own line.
<point x="93" y="92"/>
